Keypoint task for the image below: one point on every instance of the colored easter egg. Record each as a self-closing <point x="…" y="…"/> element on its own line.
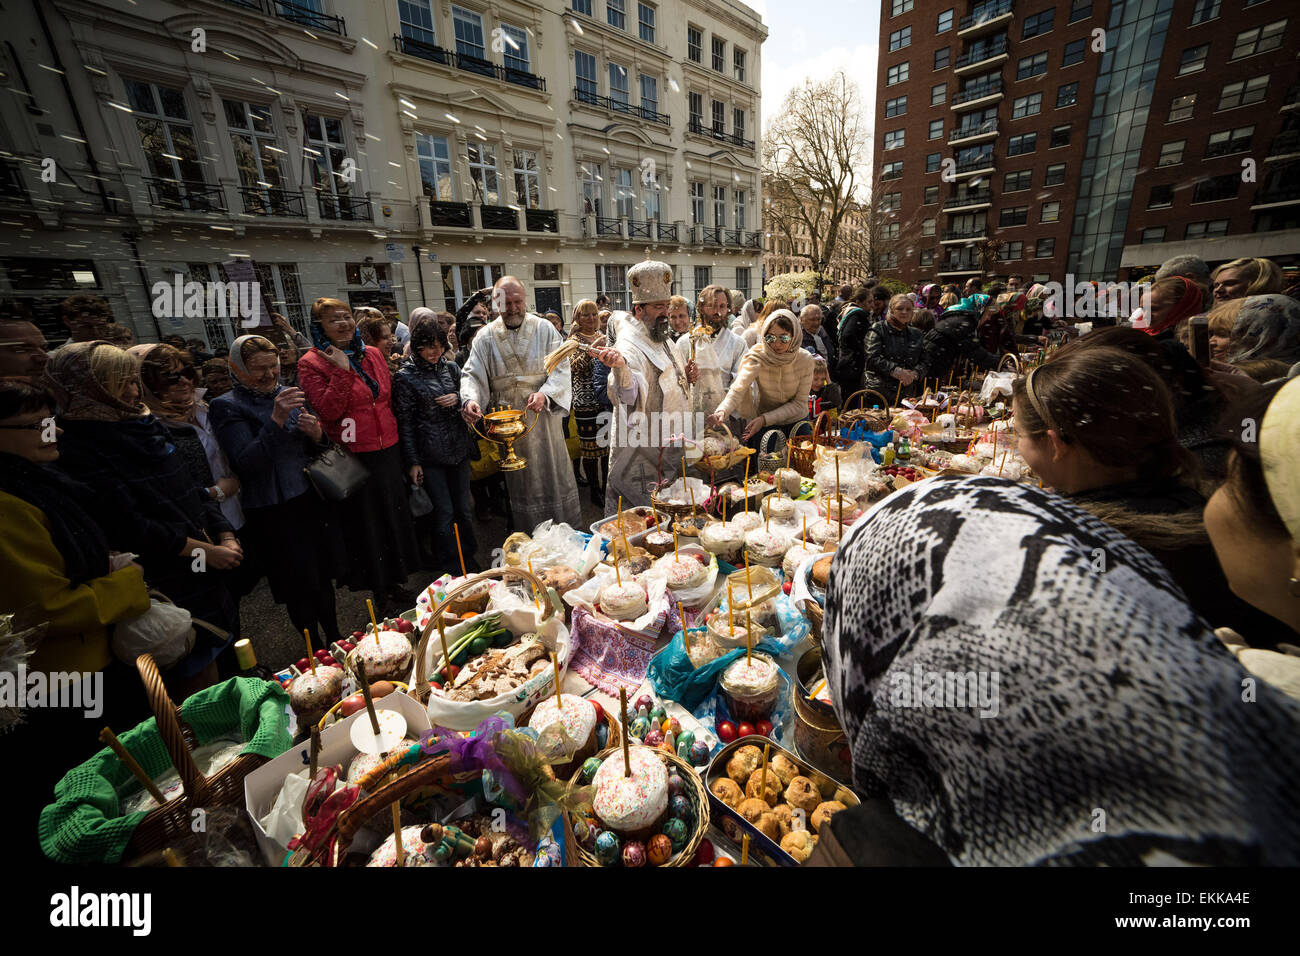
<point x="685" y="737"/>
<point x="680" y="806"/>
<point x="639" y="727"/>
<point x="654" y="738"/>
<point x="659" y="850"/>
<point x="657" y="715"/>
<point x="704" y="855"/>
<point x="602" y="736"/>
<point x="699" y="753"/>
<point x="589" y="768"/>
<point x="646" y="701"/>
<point x="671" y="725"/>
<point x="675" y="785"/>
<point x="677" y="830"/>
<point x="608" y="849"/>
<point x="634" y="854"/>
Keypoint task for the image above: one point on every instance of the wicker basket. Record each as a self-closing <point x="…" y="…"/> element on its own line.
<point x="420" y="691"/>
<point x="771" y="451"/>
<point x="716" y="463"/>
<point x="326" y="720"/>
<point x="693" y="790"/>
<point x="876" y="419"/>
<point x="1015" y="363"/>
<point x="824" y="434"/>
<point x="803" y="449"/>
<point x="174" y="820"/>
<point x="614" y="740"/>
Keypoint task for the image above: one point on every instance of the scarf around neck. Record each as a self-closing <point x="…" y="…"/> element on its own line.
<point x="80" y="395"/>
<point x="185" y="413"/>
<point x="355" y="350"/>
<point x="74" y="533"/>
<point x="765" y="356"/>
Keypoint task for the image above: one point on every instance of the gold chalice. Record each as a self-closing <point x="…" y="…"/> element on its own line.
<point x="505" y="427"/>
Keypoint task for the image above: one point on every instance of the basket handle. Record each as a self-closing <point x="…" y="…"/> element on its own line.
<point x="817" y="427"/>
<point x="1015" y="361"/>
<point x="354" y="817"/>
<point x="799" y="424"/>
<point x="767" y="436"/>
<point x="421" y="689"/>
<point x="884" y="402"/>
<point x="164" y="710"/>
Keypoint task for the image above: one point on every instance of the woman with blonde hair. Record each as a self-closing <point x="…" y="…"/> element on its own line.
<point x="1242" y="277"/>
<point x="1222" y="318"/>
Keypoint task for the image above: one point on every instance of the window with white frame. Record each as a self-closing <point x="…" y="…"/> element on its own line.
<point x="326" y="152"/>
<point x="416" y="21"/>
<point x="624" y="195"/>
<point x="528" y="179"/>
<point x="738" y="63"/>
<point x="584" y="67"/>
<point x="582" y="6"/>
<point x="900" y="38"/>
<point x="897" y="106"/>
<point x="697" y="204"/>
<point x="720" y="206"/>
<point x="468" y="27"/>
<point x="703" y="279"/>
<point x="162" y="121"/>
<point x="593" y="188"/>
<point x="1044" y="248"/>
<point x="719" y="117"/>
<point x="1229" y="141"/>
<point x="897" y="73"/>
<point x="616" y="13"/>
<point x="252" y="136"/>
<point x="1204" y="10"/>
<point x="894" y="139"/>
<point x="1206" y="229"/>
<point x="892" y="202"/>
<point x="515" y="48"/>
<point x="695" y="44"/>
<point x="1241" y="93"/>
<point x="743" y="280"/>
<point x="1051" y="212"/>
<point x="927" y="227"/>
<point x="695" y="106"/>
<point x="925" y="257"/>
<point x="939" y="94"/>
<point x="1182" y="107"/>
<point x="650" y="93"/>
<point x="740" y="202"/>
<point x="1259" y="40"/>
<point x="645" y="17"/>
<point x="435" y="166"/>
<point x="738" y="122"/>
<point x="936" y="129"/>
<point x="1027" y="105"/>
<point x="1054" y="175"/>
<point x="1193" y="59"/>
<point x="618" y="84"/>
<point x="612" y="281"/>
<point x="482" y="161"/>
<point x="1171" y="154"/>
<point x="650" y="200"/>
<point x="719" y="53"/>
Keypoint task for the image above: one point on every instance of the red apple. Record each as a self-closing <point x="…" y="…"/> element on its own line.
<point x="764" y="728"/>
<point x="745" y="730"/>
<point x="786" y="587"/>
<point x="726" y="731"/>
<point x="352" y="705"/>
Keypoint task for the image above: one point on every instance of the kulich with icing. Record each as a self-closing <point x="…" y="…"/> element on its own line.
<point x="387" y="655"/>
<point x="625" y="602"/>
<point x="577" y="717"/>
<point x="635" y="803"/>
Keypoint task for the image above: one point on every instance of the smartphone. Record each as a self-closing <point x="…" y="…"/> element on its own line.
<point x="1201" y="339"/>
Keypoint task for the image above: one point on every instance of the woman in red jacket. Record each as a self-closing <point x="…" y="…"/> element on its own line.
<point x="349" y="387"/>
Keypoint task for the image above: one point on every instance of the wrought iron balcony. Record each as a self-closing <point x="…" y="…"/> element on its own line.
<point x="970" y="232"/>
<point x="977" y="198"/>
<point x="259" y="201"/>
<point x="985" y="15"/>
<point x="975" y="91"/>
<point x="295" y="13"/>
<point x="668" y="232"/>
<point x="350" y="208"/>
<point x="542" y="220"/>
<point x="754" y="240"/>
<point x="712" y="236"/>
<point x="186" y="196"/>
<point x="988" y="127"/>
<point x="982" y="51"/>
<point x="609" y="227"/>
<point x="468" y="62"/>
<point x="736" y="139"/>
<point x="982" y="161"/>
<point x="455" y="214"/>
<point x="639" y="229"/>
<point x="618" y="106"/>
<point x="498" y="217"/>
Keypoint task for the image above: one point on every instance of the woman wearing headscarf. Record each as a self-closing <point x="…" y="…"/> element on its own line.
<point x="1267" y="327"/>
<point x="142" y="491"/>
<point x="781" y="373"/>
<point x="436" y="443"/>
<point x="269" y="435"/>
<point x="1170" y="301"/>
<point x="1024" y="685"/>
<point x="349" y="387"/>
<point x="930" y="299"/>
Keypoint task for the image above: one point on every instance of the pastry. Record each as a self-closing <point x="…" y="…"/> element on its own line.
<point x="824" y="812"/>
<point x="632" y="523"/>
<point x="799" y="844"/>
<point x="658" y="543"/>
<point x="770" y="786"/>
<point x="362" y="764"/>
<point x="729" y="637"/>
<point x="574" y="715"/>
<point x="631" y="805"/>
<point x="789" y="481"/>
<point x="802" y="794"/>
<point x="746" y="521"/>
<point x="560" y="577"/>
<point x="744" y="762"/>
<point x="798" y="553"/>
<point x="703" y="649"/>
<point x="785" y="768"/>
<point x="751" y="687"/>
<point x="637" y="563"/>
<point x="784" y="814"/>
<point x="311" y="695"/>
<point x="778" y="509"/>
<point x="625" y="602"/>
<point x="690" y="526"/>
<point x="825" y="533"/>
<point x="753" y="809"/>
<point x="821" y="571"/>
<point x="473" y="599"/>
<point x="500" y="672"/>
<point x="685" y="572"/>
<point x="386" y="655"/>
<point x="824" y="784"/>
<point x="728" y="791"/>
<point x="766" y="548"/>
<point x="768" y="825"/>
<point x="723" y="539"/>
<point x="418" y="852"/>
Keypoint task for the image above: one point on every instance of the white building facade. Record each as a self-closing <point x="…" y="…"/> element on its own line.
<point x="397" y="153"/>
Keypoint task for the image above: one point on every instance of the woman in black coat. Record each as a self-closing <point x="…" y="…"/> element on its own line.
<point x="435" y="441"/>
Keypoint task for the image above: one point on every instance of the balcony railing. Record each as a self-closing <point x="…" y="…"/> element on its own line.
<point x="982" y="161"/>
<point x="969" y="199"/>
<point x="1277" y="192"/>
<point x="295" y="13"/>
<point x="960" y="265"/>
<point x="351" y="208"/>
<point x="971" y="232"/>
<point x="973" y="130"/>
<point x="735" y="237"/>
<point x="984" y="14"/>
<point x="259" y="201"/>
<point x="186" y="196"/>
<point x="736" y="139"/>
<point x="1285" y="143"/>
<point x="609" y="227"/>
<point x="456" y="214"/>
<point x="754" y="240"/>
<point x="468" y="62"/>
<point x="639" y="229"/>
<point x="978" y="90"/>
<point x="668" y="232"/>
<point x="712" y="236"/>
<point x="618" y="106"/>
<point x="981" y="52"/>
<point x="498" y="217"/>
<point x="542" y="220"/>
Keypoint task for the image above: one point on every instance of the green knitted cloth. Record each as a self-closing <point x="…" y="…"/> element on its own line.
<point x="85" y="825"/>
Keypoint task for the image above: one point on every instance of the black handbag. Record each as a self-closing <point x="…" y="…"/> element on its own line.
<point x="336" y="473"/>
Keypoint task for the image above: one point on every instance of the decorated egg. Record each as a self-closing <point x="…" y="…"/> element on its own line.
<point x="600" y="711"/>
<point x="639" y="727"/>
<point x="671" y="725"/>
<point x="646" y="701"/>
<point x="654" y="738"/>
<point x="634" y="853"/>
<point x="699" y="753"/>
<point x="608" y="849"/>
<point x="677" y="830"/>
<point x="704" y="855"/>
<point x="657" y="715"/>
<point x="683" y="749"/>
<point x="589" y="768"/>
<point x="680" y="806"/>
<point x="659" y="850"/>
<point x="675" y="785"/>
<point x="602" y="735"/>
<point x="685" y="737"/>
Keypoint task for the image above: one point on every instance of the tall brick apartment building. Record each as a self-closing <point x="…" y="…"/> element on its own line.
<point x="1097" y="139"/>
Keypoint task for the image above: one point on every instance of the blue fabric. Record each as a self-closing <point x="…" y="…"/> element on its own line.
<point x="976" y="303"/>
<point x="355" y="350"/>
<point x="600" y="384"/>
<point x="268" y="459"/>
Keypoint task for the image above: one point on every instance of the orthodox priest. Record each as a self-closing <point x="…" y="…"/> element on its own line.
<point x="714" y="349"/>
<point x="505" y="367"/>
<point x="648" y="387"/>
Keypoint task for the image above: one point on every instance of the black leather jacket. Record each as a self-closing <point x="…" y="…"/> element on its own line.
<point x="428" y="433"/>
<point x="889" y="348"/>
<point x="953" y="338"/>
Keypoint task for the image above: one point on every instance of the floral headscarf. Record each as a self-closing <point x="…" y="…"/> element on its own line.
<point x="1267" y="327"/>
<point x="81" y="396"/>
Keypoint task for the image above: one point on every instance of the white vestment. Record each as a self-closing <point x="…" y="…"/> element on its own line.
<point x="505" y="366"/>
<point x="651" y="404"/>
<point x="718" y="358"/>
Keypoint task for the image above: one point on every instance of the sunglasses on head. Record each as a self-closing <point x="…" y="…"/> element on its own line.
<point x="773" y="339"/>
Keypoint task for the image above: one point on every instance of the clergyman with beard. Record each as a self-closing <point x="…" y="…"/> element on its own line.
<point x="715" y="349"/>
<point x="648" y="387"/>
<point x="506" y="366"/>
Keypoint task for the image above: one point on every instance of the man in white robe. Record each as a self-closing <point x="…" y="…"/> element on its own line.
<point x="506" y="367"/>
<point x="715" y="349"/>
<point x="648" y="387"/>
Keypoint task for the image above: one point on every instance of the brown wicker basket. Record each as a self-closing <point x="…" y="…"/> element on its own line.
<point x="716" y="463"/>
<point x="803" y="449"/>
<point x="693" y="790"/>
<point x="771" y="451"/>
<point x="420" y="690"/>
<point x="824" y="433"/>
<point x="876" y="419"/>
<point x="173" y="821"/>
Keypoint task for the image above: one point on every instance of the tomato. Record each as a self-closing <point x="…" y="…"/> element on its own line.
<point x="724" y="861"/>
<point x="726" y="731"/>
<point x="764" y="728"/>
